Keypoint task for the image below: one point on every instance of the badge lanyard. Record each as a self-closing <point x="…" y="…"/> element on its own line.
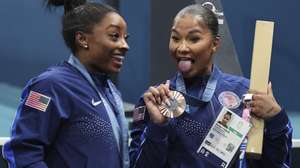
<point x="120" y="109"/>
<point x="246" y="116"/>
<point x="124" y="124"/>
<point x="207" y="94"/>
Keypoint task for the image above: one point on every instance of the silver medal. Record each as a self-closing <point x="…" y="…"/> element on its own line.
<point x="175" y="105"/>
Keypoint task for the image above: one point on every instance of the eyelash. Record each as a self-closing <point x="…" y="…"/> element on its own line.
<point x="175" y="39"/>
<point x="194" y="39"/>
<point x="127" y="36"/>
<point x="116" y="36"/>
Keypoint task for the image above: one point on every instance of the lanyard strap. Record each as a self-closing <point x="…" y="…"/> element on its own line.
<point x="246" y="116"/>
<point x="123" y="131"/>
<point x="123" y="123"/>
<point x="207" y="94"/>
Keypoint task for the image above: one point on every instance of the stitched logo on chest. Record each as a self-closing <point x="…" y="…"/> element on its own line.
<point x="96" y="103"/>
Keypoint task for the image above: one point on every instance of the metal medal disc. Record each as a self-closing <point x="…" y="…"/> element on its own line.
<point x="175" y="107"/>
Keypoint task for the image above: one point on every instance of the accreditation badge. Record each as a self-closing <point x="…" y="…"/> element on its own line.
<point x="224" y="138"/>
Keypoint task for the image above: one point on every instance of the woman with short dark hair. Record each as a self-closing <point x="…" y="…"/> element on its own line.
<point x="72" y="114"/>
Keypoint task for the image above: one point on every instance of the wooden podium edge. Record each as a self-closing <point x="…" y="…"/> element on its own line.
<point x="259" y="79"/>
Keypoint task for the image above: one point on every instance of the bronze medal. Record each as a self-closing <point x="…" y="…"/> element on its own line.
<point x="175" y="105"/>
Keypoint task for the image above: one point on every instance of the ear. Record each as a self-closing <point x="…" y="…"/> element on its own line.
<point x="216" y="44"/>
<point x="81" y="40"/>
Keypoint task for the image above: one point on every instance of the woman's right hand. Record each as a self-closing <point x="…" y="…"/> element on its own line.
<point x="153" y="98"/>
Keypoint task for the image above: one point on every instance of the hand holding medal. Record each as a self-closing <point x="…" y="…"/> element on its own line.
<point x="162" y="103"/>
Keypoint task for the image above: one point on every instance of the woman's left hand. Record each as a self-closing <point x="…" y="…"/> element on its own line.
<point x="264" y="105"/>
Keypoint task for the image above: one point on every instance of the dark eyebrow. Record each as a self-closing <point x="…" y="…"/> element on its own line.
<point x="113" y="25"/>
<point x="174" y="30"/>
<point x="195" y="31"/>
<point x="191" y="32"/>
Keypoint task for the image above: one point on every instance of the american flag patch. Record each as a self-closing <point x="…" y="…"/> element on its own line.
<point x="139" y="113"/>
<point x="37" y="101"/>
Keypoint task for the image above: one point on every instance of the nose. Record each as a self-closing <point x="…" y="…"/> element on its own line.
<point x="124" y="45"/>
<point x="183" y="48"/>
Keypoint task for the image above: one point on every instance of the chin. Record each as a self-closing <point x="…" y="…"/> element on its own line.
<point x="187" y="74"/>
<point x="115" y="70"/>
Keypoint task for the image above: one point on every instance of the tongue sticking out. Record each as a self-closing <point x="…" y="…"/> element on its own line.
<point x="185" y="66"/>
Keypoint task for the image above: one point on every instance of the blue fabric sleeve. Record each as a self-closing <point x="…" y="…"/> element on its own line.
<point x="149" y="145"/>
<point x="33" y="130"/>
<point x="277" y="125"/>
<point x="156" y="133"/>
<point x="277" y="143"/>
<point x="40" y="164"/>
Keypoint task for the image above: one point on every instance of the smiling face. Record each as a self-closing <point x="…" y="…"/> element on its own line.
<point x="106" y="45"/>
<point x="226" y="118"/>
<point x="192" y="45"/>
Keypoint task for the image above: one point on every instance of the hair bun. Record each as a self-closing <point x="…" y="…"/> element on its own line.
<point x="55" y="2"/>
<point x="68" y="4"/>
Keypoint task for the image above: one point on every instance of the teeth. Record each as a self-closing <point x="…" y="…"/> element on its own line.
<point x="185" y="59"/>
<point x="120" y="57"/>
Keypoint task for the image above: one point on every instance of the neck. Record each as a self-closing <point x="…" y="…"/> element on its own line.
<point x="203" y="76"/>
<point x="196" y="80"/>
<point x="83" y="57"/>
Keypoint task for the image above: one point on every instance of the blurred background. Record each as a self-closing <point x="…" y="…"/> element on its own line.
<point x="31" y="42"/>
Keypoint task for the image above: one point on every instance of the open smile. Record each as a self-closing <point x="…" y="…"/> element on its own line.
<point x="118" y="59"/>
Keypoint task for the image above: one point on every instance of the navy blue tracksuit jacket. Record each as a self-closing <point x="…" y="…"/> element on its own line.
<point x="174" y="144"/>
<point x="66" y="127"/>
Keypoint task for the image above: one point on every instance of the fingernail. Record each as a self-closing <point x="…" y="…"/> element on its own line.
<point x="169" y="94"/>
<point x="168" y="102"/>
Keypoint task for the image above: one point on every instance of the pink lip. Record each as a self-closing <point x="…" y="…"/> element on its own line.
<point x="118" y="59"/>
<point x="184" y="59"/>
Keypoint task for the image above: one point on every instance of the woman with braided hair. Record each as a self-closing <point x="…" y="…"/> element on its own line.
<point x="72" y="114"/>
